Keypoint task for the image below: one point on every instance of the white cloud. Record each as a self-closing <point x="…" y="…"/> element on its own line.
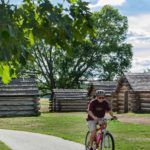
<point x="140" y="64"/>
<point x="139" y="37"/>
<point x="101" y="3"/>
<point x="139" y="31"/>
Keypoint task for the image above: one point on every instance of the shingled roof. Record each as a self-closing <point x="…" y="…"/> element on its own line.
<point x="108" y="86"/>
<point x="70" y="93"/>
<point x="139" y="82"/>
<point x="19" y="87"/>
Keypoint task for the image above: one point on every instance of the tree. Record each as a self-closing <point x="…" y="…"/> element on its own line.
<point x="111" y="30"/>
<point x="52" y="27"/>
<point x="13" y="44"/>
<point x="147" y="70"/>
<point x="56" y="25"/>
<point x="105" y="55"/>
<point x="39" y="20"/>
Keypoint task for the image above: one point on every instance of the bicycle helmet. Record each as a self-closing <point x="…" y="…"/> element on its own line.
<point x="100" y="93"/>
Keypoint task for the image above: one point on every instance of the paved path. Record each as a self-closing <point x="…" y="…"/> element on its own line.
<point x="20" y="140"/>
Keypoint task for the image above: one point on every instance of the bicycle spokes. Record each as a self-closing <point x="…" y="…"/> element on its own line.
<point x="107" y="142"/>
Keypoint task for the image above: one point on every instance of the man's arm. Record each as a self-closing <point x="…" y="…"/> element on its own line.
<point x="92" y="115"/>
<point x="111" y="114"/>
<point x="91" y="109"/>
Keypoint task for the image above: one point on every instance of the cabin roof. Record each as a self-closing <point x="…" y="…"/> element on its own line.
<point x="70" y="94"/>
<point x="139" y="82"/>
<point x="19" y="87"/>
<point x="69" y="90"/>
<point x="108" y="86"/>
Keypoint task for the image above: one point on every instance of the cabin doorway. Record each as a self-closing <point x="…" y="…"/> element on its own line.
<point x="126" y="109"/>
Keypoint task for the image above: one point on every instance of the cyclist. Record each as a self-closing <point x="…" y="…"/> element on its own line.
<point x="96" y="112"/>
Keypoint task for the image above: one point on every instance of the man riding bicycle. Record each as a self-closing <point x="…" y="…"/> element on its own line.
<point x="96" y="112"/>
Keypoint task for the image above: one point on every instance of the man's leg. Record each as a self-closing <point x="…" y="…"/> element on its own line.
<point x="92" y="129"/>
<point x="92" y="137"/>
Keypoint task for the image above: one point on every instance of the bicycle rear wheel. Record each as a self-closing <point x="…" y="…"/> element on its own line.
<point x="107" y="142"/>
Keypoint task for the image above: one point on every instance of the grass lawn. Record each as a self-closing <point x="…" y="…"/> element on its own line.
<point x="72" y="126"/>
<point x="3" y="146"/>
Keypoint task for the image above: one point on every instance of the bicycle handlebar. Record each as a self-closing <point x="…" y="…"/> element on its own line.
<point x="107" y="119"/>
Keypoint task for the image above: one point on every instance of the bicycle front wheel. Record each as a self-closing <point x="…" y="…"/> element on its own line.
<point x="87" y="140"/>
<point x="107" y="142"/>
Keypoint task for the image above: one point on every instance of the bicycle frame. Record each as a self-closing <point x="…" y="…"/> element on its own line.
<point x="101" y="130"/>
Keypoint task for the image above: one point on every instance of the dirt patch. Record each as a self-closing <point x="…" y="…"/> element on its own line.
<point x="134" y="119"/>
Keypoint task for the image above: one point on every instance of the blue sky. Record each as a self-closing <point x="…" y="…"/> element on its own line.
<point x="138" y="13"/>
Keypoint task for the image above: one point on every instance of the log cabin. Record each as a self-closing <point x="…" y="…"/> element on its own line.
<point x="19" y="98"/>
<point x="133" y="93"/>
<point x="68" y="100"/>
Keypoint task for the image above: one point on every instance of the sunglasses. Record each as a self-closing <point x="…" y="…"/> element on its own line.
<point x="100" y="97"/>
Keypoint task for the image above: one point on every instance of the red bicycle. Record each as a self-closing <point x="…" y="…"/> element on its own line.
<point x="103" y="140"/>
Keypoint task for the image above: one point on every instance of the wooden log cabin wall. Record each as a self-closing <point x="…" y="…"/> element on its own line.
<point x="145" y="102"/>
<point x="19" y="98"/>
<point x="133" y="93"/>
<point x="68" y="100"/>
<point x="109" y="87"/>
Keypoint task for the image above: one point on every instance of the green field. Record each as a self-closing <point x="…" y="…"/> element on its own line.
<point x="72" y="126"/>
<point x="3" y="146"/>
